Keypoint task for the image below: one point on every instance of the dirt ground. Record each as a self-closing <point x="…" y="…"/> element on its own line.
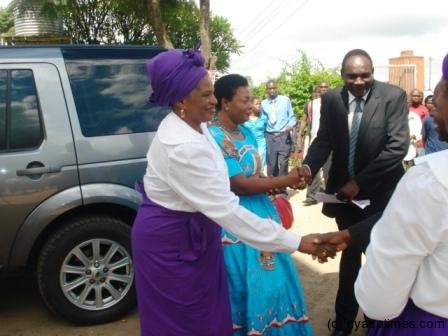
<point x="22" y="313"/>
<point x="319" y="281"/>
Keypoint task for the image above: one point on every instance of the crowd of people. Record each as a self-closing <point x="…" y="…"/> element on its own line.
<point x="210" y="253"/>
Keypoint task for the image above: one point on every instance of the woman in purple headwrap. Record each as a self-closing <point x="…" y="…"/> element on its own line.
<point x="176" y="242"/>
<point x="404" y="284"/>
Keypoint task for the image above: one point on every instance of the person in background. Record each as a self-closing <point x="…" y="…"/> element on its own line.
<point x="312" y="112"/>
<point x="428" y="103"/>
<point x="176" y="237"/>
<point x="415" y="129"/>
<point x="303" y="138"/>
<point x="257" y="124"/>
<point x="266" y="296"/>
<point x="281" y="120"/>
<point x="364" y="124"/>
<point x="300" y="132"/>
<point x="416" y="105"/>
<point x="404" y="280"/>
<point x="429" y="133"/>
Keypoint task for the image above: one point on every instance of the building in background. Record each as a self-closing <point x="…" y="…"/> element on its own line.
<point x="407" y="71"/>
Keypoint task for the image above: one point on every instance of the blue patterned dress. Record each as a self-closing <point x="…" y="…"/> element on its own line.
<point x="258" y="128"/>
<point x="263" y="302"/>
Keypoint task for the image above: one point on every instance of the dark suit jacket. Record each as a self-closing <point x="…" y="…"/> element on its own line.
<point x="360" y="232"/>
<point x="383" y="141"/>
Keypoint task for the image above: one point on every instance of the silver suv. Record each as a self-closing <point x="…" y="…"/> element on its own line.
<point x="75" y="125"/>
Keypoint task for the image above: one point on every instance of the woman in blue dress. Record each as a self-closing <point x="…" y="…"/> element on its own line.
<point x="257" y="124"/>
<point x="265" y="291"/>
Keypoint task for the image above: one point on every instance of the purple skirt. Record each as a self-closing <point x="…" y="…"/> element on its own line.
<point x="412" y="321"/>
<point x="179" y="273"/>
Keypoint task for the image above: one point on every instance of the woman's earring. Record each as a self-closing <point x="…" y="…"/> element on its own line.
<point x="182" y="113"/>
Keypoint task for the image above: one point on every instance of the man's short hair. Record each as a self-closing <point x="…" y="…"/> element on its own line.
<point x="355" y="52"/>
<point x="271" y="81"/>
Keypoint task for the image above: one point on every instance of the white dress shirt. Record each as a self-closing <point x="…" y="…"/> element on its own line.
<point x="352" y="107"/>
<point x="315" y="118"/>
<point x="187" y="172"/>
<point x="408" y="252"/>
<point x="415" y="132"/>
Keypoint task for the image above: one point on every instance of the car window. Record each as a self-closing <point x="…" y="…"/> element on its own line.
<point x="112" y="96"/>
<point x="20" y="124"/>
<point x="3" y="92"/>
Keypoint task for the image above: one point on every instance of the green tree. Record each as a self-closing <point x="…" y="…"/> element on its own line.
<point x="182" y="24"/>
<point x="297" y="80"/>
<point x="129" y="22"/>
<point x="223" y="42"/>
<point x="6" y="21"/>
<point x="89" y="22"/>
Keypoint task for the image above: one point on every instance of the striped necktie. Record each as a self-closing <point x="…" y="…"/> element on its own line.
<point x="354" y="136"/>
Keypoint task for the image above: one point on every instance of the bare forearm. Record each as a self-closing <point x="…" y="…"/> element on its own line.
<point x="256" y="185"/>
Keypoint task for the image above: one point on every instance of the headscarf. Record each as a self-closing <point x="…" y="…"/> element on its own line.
<point x="445" y="67"/>
<point x="174" y="74"/>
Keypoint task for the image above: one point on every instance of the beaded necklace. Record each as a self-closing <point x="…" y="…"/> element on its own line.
<point x="235" y="133"/>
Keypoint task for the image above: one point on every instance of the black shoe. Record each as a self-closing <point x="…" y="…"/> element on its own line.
<point x="340" y="333"/>
<point x="309" y="201"/>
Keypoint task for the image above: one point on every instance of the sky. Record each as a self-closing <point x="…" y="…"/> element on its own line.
<point x="272" y="32"/>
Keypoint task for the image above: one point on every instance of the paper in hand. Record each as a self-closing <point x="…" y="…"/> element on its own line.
<point x="329" y="198"/>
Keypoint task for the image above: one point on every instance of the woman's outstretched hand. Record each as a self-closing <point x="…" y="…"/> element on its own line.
<point x="326" y="245"/>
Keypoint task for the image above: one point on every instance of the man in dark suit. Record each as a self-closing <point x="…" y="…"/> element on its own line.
<point x="365" y="125"/>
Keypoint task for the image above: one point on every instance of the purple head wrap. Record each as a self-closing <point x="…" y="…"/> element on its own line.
<point x="174" y="74"/>
<point x="445" y="67"/>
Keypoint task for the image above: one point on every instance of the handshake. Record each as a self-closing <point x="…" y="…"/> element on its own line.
<point x="299" y="177"/>
<point x="325" y="245"/>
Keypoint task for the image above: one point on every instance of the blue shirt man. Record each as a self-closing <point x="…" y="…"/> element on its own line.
<point x="279" y="112"/>
<point x="281" y="120"/>
<point x="431" y="136"/>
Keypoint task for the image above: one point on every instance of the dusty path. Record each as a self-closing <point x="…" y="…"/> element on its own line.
<point x="319" y="281"/>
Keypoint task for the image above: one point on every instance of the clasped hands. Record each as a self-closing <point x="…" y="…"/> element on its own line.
<point x="347" y="192"/>
<point x="300" y="179"/>
<point x="325" y="245"/>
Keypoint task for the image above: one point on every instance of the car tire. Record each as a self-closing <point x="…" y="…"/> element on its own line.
<point x="85" y="271"/>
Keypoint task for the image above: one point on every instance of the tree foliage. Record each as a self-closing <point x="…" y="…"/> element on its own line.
<point x="6" y="21"/>
<point x="128" y="22"/>
<point x="297" y="80"/>
<point x="223" y="42"/>
<point x="182" y="24"/>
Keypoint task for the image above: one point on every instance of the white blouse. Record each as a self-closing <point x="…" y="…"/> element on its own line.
<point x="187" y="172"/>
<point x="408" y="252"/>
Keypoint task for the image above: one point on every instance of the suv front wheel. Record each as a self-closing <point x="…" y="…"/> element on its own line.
<point x="85" y="270"/>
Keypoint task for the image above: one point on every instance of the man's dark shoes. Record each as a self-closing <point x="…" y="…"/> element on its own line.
<point x="309" y="201"/>
<point x="340" y="333"/>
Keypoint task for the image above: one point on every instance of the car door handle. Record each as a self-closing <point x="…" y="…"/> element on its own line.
<point x="37" y="171"/>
